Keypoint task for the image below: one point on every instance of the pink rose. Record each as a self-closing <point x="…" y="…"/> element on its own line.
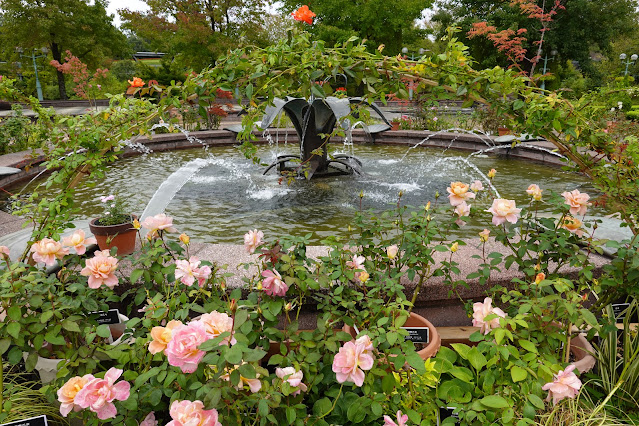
<point x="458" y="193"/>
<point x="182" y="351"/>
<point x="99" y="394"/>
<point x="68" y="392"/>
<point x="481" y="311"/>
<point x="100" y="270"/>
<point x="252" y="239"/>
<point x="356" y="263"/>
<point x="504" y="210"/>
<point x="149" y="420"/>
<point x="188" y="271"/>
<point x="192" y="413"/>
<point x="4" y="252"/>
<point x="350" y="361"/>
<point x="162" y="336"/>
<point x="78" y="241"/>
<point x="47" y="251"/>
<point x="217" y="323"/>
<point x="254" y="384"/>
<point x="534" y="191"/>
<point x="105" y="199"/>
<point x="577" y="201"/>
<point x="273" y="284"/>
<point x="565" y="385"/>
<point x="293" y="377"/>
<point x="158" y="223"/>
<point x="476" y="186"/>
<point x="401" y="420"/>
<point x="462" y="209"/>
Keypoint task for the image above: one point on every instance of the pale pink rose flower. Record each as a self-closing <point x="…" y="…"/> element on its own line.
<point x="252" y="239"/>
<point x="68" y="392"/>
<point x="481" y="311"/>
<point x="100" y="270"/>
<point x="217" y="323"/>
<point x="98" y="395"/>
<point x="187" y="271"/>
<point x="391" y="251"/>
<point x="401" y="420"/>
<point x="273" y="284"/>
<point x="254" y="384"/>
<point x="293" y="377"/>
<point x="157" y="223"/>
<point x="365" y="342"/>
<point x="107" y="198"/>
<point x="565" y="385"/>
<point x="573" y="225"/>
<point x="504" y="210"/>
<point x="182" y="351"/>
<point x="477" y="186"/>
<point x="78" y="241"/>
<point x="192" y="413"/>
<point x="356" y="263"/>
<point x="4" y="252"/>
<point x="462" y="209"/>
<point x="458" y="193"/>
<point x="47" y="251"/>
<point x="162" y="336"/>
<point x="534" y="191"/>
<point x="149" y="420"/>
<point x="350" y="361"/>
<point x="577" y="201"/>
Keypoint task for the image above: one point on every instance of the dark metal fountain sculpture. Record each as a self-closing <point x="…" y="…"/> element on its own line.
<point x="313" y="120"/>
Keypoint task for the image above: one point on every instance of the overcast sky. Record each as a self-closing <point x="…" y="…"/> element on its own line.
<point x="114" y="5"/>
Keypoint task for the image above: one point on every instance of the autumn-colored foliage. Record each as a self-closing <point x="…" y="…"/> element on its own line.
<point x="79" y="71"/>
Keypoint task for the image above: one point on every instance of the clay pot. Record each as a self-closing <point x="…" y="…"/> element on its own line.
<point x="121" y="236"/>
<point x="415" y="320"/>
<point x="394" y="125"/>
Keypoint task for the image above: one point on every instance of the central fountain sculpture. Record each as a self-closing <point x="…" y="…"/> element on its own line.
<point x="313" y="120"/>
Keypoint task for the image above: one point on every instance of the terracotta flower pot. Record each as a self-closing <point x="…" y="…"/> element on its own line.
<point x="121" y="236"/>
<point x="394" y="125"/>
<point x="415" y="320"/>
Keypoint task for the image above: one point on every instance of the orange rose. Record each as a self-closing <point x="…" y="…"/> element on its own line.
<point x="137" y="82"/>
<point x="304" y="14"/>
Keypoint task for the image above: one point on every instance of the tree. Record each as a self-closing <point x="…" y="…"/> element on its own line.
<point x="387" y="22"/>
<point x="80" y="26"/>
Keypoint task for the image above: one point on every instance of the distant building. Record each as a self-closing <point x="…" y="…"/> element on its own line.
<point x="151" y="58"/>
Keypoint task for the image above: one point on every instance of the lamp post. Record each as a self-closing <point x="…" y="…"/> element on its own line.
<point x="421" y="51"/>
<point x="629" y="62"/>
<point x="33" y="57"/>
<point x="553" y="53"/>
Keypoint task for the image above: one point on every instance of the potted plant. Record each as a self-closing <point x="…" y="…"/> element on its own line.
<point x="115" y="228"/>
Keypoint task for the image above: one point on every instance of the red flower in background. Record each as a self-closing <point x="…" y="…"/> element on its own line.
<point x="304" y="14"/>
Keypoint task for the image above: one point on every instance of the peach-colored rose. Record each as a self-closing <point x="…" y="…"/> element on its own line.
<point x="217" y="323"/>
<point x="540" y="277"/>
<point x="577" y="201"/>
<point x="504" y="210"/>
<point x="100" y="270"/>
<point x="481" y="311"/>
<point x="462" y="209"/>
<point x="188" y="271"/>
<point x="458" y="193"/>
<point x="67" y="393"/>
<point x="252" y="239"/>
<point x="391" y="251"/>
<point x="99" y="394"/>
<point x="182" y="351"/>
<point x="47" y="251"/>
<point x="483" y="235"/>
<point x="534" y="191"/>
<point x="293" y="377"/>
<point x="351" y="361"/>
<point x="477" y="186"/>
<point x="492" y="173"/>
<point x="565" y="385"/>
<point x="192" y="413"/>
<point x="272" y="284"/>
<point x="162" y="336"/>
<point x="4" y="252"/>
<point x="573" y="225"/>
<point x="78" y="241"/>
<point x="157" y="224"/>
<point x="254" y="384"/>
<point x="185" y="239"/>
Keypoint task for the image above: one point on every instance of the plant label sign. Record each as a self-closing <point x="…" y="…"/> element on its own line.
<point x="619" y="310"/>
<point x="418" y="334"/>
<point x="33" y="421"/>
<point x="112" y="316"/>
<point x="446" y="413"/>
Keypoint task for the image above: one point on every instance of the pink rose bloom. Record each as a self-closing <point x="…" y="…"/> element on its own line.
<point x="565" y="385"/>
<point x="4" y="252"/>
<point x="149" y="420"/>
<point x="100" y="270"/>
<point x="217" y="323"/>
<point x="504" y="210"/>
<point x="252" y="239"/>
<point x="162" y="336"/>
<point x="365" y="342"/>
<point x="192" y="413"/>
<point x="293" y="377"/>
<point x="157" y="223"/>
<point x="47" y="251"/>
<point x="107" y="198"/>
<point x="350" y="361"/>
<point x="534" y="191"/>
<point x="462" y="209"/>
<point x="254" y="384"/>
<point x="68" y="392"/>
<point x="98" y="394"/>
<point x="577" y="201"/>
<point x="458" y="193"/>
<point x="188" y="271"/>
<point x="182" y="351"/>
<point x="356" y="263"/>
<point x="477" y="186"/>
<point x="481" y="311"/>
<point x="273" y="284"/>
<point x="401" y="420"/>
<point x="78" y="241"/>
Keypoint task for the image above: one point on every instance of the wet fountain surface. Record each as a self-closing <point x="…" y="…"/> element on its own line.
<point x="227" y="194"/>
